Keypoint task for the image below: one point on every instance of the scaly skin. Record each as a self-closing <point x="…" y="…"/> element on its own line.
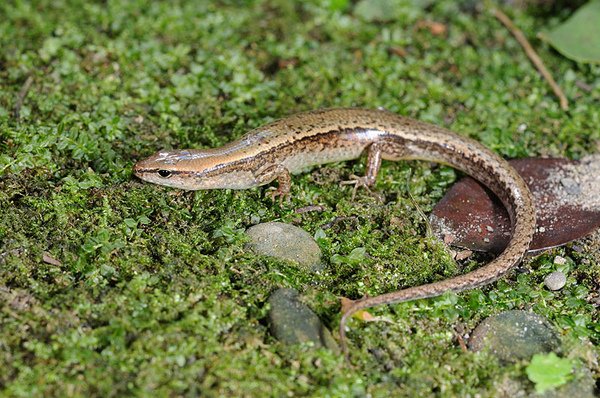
<point x="294" y="143"/>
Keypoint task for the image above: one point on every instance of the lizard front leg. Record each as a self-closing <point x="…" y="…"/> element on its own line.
<point x="279" y="173"/>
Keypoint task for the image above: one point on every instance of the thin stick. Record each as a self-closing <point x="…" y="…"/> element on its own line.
<point x="537" y="61"/>
<point x="21" y="97"/>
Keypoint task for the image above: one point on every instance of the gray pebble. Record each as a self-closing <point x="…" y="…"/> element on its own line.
<point x="571" y="186"/>
<point x="286" y="242"/>
<point x="559" y="260"/>
<point x="293" y="322"/>
<point x="514" y="335"/>
<point x="555" y="281"/>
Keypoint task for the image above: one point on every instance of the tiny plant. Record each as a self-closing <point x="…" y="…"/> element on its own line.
<point x="549" y="371"/>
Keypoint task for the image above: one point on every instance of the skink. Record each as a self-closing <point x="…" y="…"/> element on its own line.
<point x="292" y="144"/>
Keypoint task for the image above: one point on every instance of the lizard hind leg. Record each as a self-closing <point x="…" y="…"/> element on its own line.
<point x="374" y="153"/>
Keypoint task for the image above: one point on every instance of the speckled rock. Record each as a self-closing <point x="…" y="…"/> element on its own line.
<point x="514" y="335"/>
<point x="293" y="322"/>
<point x="559" y="260"/>
<point x="555" y="281"/>
<point x="286" y="242"/>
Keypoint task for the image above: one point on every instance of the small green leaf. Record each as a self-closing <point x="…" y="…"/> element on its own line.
<point x="320" y="234"/>
<point x="338" y="5"/>
<point x="355" y="257"/>
<point x="50" y="48"/>
<point x="578" y="38"/>
<point x="548" y="371"/>
<point x="376" y="10"/>
<point x="130" y="222"/>
<point x="229" y="232"/>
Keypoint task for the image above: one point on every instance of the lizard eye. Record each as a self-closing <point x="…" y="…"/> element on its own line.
<point x="164" y="173"/>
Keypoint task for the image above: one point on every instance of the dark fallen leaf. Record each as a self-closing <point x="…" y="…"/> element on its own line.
<point x="567" y="199"/>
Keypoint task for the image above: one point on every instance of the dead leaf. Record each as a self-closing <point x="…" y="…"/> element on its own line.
<point x="399" y="51"/>
<point x="362" y="315"/>
<point x="48" y="259"/>
<point x="566" y="195"/>
<point x="463" y="255"/>
<point x="435" y="28"/>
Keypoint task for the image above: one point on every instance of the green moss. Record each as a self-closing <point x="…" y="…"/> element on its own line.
<point x="154" y="292"/>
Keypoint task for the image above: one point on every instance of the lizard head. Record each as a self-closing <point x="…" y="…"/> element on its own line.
<point x="193" y="170"/>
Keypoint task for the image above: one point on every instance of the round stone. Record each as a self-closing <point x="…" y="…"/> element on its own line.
<point x="293" y="322"/>
<point x="514" y="335"/>
<point x="555" y="281"/>
<point x="286" y="242"/>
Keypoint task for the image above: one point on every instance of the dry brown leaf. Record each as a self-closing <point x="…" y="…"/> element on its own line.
<point x="362" y="315"/>
<point x="463" y="255"/>
<point x="48" y="259"/>
<point x="435" y="28"/>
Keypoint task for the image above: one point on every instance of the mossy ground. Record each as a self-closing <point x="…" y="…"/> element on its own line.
<point x="154" y="293"/>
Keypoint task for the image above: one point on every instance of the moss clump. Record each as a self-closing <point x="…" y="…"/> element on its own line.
<point x="153" y="292"/>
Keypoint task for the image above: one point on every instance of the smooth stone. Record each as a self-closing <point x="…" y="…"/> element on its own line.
<point x="555" y="281"/>
<point x="559" y="260"/>
<point x="286" y="242"/>
<point x="293" y="322"/>
<point x="514" y="335"/>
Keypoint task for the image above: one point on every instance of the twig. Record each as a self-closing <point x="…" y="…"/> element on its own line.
<point x="310" y="208"/>
<point x="21" y="97"/>
<point x="428" y="229"/>
<point x="336" y="221"/>
<point x="461" y="341"/>
<point x="537" y="61"/>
